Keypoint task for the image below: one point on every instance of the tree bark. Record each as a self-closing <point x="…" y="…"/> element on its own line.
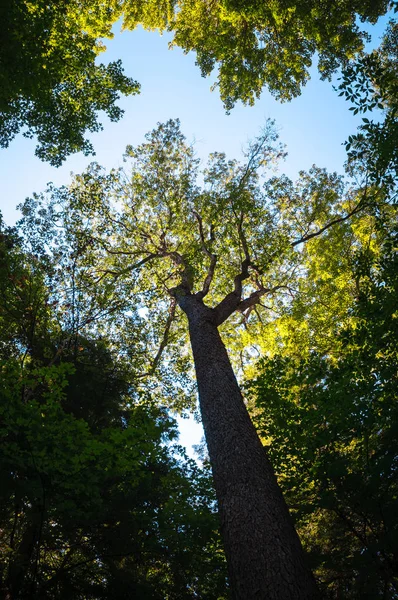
<point x="264" y="554"/>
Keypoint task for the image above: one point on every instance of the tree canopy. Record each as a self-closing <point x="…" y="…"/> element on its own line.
<point x="93" y="281"/>
<point x="270" y="259"/>
<point x="123" y="293"/>
<point x="255" y="44"/>
<point x="138" y="234"/>
<point x="52" y="86"/>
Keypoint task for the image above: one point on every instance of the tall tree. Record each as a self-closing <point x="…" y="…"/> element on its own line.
<point x="167" y="243"/>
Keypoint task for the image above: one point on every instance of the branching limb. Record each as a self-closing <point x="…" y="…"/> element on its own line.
<point x="230" y="303"/>
<point x="245" y="246"/>
<point x="213" y="259"/>
<point x="242" y="238"/>
<point x="252" y="164"/>
<point x="254" y="298"/>
<point x="186" y="273"/>
<point x="209" y="278"/>
<point x="305" y="238"/>
<point x="165" y="338"/>
<point x="118" y="273"/>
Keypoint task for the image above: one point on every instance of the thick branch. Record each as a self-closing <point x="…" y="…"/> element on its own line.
<point x="230" y="303"/>
<point x="209" y="278"/>
<point x="213" y="259"/>
<point x="186" y="274"/>
<point x="254" y="298"/>
<point x="243" y="240"/>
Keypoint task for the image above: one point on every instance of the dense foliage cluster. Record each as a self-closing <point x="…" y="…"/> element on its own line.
<point x="330" y="422"/>
<point x="372" y="83"/>
<point x="97" y="500"/>
<point x="51" y="85"/>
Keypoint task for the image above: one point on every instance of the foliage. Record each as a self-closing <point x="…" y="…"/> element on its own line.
<point x="97" y="501"/>
<point x="52" y="87"/>
<point x="257" y="44"/>
<point x="330" y="422"/>
<point x="51" y="84"/>
<point x="371" y="83"/>
<point x="137" y="234"/>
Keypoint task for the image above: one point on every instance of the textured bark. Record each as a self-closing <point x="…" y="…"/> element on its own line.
<point x="264" y="554"/>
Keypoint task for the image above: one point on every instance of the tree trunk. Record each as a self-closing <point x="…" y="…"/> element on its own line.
<point x="21" y="560"/>
<point x="264" y="554"/>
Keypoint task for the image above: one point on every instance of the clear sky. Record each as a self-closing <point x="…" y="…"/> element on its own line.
<point x="313" y="126"/>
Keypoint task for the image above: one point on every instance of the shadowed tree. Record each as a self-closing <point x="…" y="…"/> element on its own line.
<point x="96" y="499"/>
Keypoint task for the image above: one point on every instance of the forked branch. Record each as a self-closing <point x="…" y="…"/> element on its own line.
<point x="186" y="273"/>
<point x="231" y="301"/>
<point x="213" y="258"/>
<point x="254" y="298"/>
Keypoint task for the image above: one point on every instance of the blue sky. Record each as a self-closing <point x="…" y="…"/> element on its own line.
<point x="313" y="126"/>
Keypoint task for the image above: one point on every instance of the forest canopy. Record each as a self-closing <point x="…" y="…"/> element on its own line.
<point x="53" y="87"/>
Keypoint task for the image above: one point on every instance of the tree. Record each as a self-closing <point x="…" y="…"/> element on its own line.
<point x="51" y="86"/>
<point x="99" y="514"/>
<point x="257" y="44"/>
<point x="371" y="83"/>
<point x="331" y="426"/>
<point x="166" y="243"/>
<point x="95" y="496"/>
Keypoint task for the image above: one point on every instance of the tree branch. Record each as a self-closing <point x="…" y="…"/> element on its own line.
<point x="254" y="154"/>
<point x="186" y="275"/>
<point x="213" y="259"/>
<point x="254" y="298"/>
<point x="231" y="301"/>
<point x="305" y="238"/>
<point x="242" y="238"/>
<point x="165" y="339"/>
<point x="117" y="274"/>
